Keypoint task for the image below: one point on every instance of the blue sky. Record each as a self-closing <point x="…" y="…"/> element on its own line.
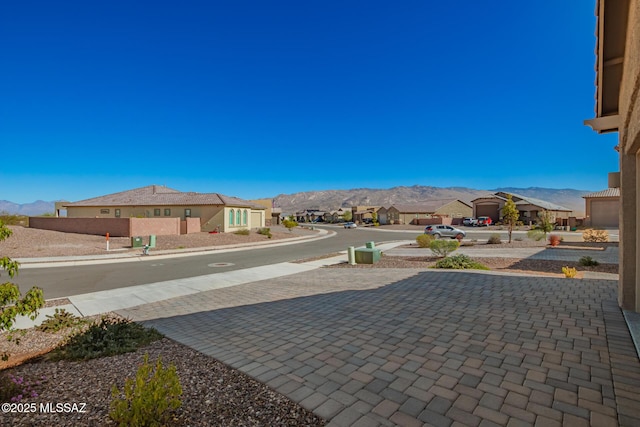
<point x="258" y="98"/>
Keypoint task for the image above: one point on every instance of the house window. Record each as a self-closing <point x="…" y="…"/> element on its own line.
<point x="167" y="212"/>
<point x="231" y="217"/>
<point x="117" y="213"/>
<point x="104" y="211"/>
<point x="244" y="217"/>
<point x="187" y="213"/>
<point x="156" y="212"/>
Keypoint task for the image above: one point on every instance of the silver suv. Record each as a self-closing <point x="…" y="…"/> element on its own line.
<point x="439" y="231"/>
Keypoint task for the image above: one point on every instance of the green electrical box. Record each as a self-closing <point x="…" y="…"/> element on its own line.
<point x="367" y="255"/>
<point x="371" y="245"/>
<point x="136" y="242"/>
<point x="152" y="241"/>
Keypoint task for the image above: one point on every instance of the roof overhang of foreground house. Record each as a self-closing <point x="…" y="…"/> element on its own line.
<point x="611" y="36"/>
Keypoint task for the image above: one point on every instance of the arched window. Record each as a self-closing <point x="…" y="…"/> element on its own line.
<point x="231" y="217"/>
<point x="238" y="217"/>
<point x="244" y="217"/>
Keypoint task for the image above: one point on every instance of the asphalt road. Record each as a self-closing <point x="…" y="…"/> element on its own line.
<point x="66" y="281"/>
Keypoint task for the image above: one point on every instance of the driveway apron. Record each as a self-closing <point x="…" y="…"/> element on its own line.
<point x="367" y="347"/>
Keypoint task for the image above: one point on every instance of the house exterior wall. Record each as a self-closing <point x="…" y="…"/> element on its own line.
<point x="116" y="227"/>
<point x="612" y="202"/>
<point x="455" y="209"/>
<point x="629" y="142"/>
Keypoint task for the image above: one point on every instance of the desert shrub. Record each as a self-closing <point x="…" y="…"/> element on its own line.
<point x="108" y="337"/>
<point x="242" y="232"/>
<point x="149" y="399"/>
<point x="61" y="319"/>
<point x="289" y="224"/>
<point x="460" y="262"/>
<point x="519" y="223"/>
<point x="591" y="235"/>
<point x="443" y="248"/>
<point x="536" y="234"/>
<point x="569" y="272"/>
<point x="424" y="240"/>
<point x="554" y="239"/>
<point x="265" y="232"/>
<point x="587" y="261"/>
<point x="494" y="239"/>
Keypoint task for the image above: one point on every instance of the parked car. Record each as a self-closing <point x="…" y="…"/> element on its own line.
<point x="439" y="231"/>
<point x="350" y="225"/>
<point x="484" y="221"/>
<point x="469" y="221"/>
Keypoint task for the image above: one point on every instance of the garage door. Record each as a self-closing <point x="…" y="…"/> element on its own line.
<point x="490" y="210"/>
<point x="604" y="213"/>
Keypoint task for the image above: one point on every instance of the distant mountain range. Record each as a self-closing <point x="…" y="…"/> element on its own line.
<point x="36" y="208"/>
<point x="334" y="199"/>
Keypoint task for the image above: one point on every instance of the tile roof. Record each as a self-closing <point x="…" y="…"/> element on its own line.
<point x="158" y="195"/>
<point x="609" y="192"/>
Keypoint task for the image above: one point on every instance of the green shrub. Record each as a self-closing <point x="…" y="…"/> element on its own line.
<point x="61" y="319"/>
<point x="108" y="337"/>
<point x="289" y="224"/>
<point x="443" y="248"/>
<point x="494" y="239"/>
<point x="424" y="240"/>
<point x="460" y="262"/>
<point x="242" y="232"/>
<point x="149" y="399"/>
<point x="587" y="261"/>
<point x="536" y="234"/>
<point x="265" y="232"/>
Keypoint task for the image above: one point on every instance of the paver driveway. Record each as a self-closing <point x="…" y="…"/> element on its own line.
<point x="370" y="347"/>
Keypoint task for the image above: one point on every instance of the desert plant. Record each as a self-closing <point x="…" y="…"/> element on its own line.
<point x="592" y="235"/>
<point x="290" y="223"/>
<point x="554" y="239"/>
<point x="61" y="319"/>
<point x="494" y="239"/>
<point x="587" y="261"/>
<point x="108" y="337"/>
<point x="242" y="232"/>
<point x="569" y="272"/>
<point x="15" y="388"/>
<point x="265" y="232"/>
<point x="149" y="399"/>
<point x="424" y="240"/>
<point x="442" y="248"/>
<point x="545" y="225"/>
<point x="460" y="262"/>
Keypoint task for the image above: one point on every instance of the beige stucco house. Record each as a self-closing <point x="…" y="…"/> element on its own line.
<point x="412" y="213"/>
<point x="214" y="210"/>
<point x="603" y="208"/>
<point x="617" y="109"/>
<point x="491" y="205"/>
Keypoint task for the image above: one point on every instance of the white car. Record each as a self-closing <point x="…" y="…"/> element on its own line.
<point x="350" y="225"/>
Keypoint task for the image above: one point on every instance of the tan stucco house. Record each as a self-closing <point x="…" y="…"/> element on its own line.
<point x="603" y="208"/>
<point x="617" y="109"/>
<point x="412" y="213"/>
<point x="215" y="211"/>
<point x="491" y="205"/>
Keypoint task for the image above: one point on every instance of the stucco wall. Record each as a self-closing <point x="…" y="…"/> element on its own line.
<point x="116" y="227"/>
<point x="455" y="209"/>
<point x="630" y="87"/>
<point x="157" y="226"/>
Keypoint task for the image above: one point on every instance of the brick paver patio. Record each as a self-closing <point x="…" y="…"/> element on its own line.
<point x="408" y="347"/>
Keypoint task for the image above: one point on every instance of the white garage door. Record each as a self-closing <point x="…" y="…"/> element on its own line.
<point x="604" y="213"/>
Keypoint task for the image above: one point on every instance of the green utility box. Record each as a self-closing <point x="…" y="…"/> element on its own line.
<point x="371" y="245"/>
<point x="367" y="255"/>
<point x="152" y="241"/>
<point x="136" y="242"/>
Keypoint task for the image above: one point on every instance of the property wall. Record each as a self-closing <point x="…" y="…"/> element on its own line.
<point x="157" y="226"/>
<point x="116" y="227"/>
<point x="433" y="221"/>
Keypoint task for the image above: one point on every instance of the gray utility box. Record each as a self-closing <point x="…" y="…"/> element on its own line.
<point x="367" y="255"/>
<point x="136" y="242"/>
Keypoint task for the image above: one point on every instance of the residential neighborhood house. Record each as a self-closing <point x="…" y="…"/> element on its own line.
<point x="491" y="205"/>
<point x="603" y="208"/>
<point x="157" y="208"/>
<point x="440" y="210"/>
